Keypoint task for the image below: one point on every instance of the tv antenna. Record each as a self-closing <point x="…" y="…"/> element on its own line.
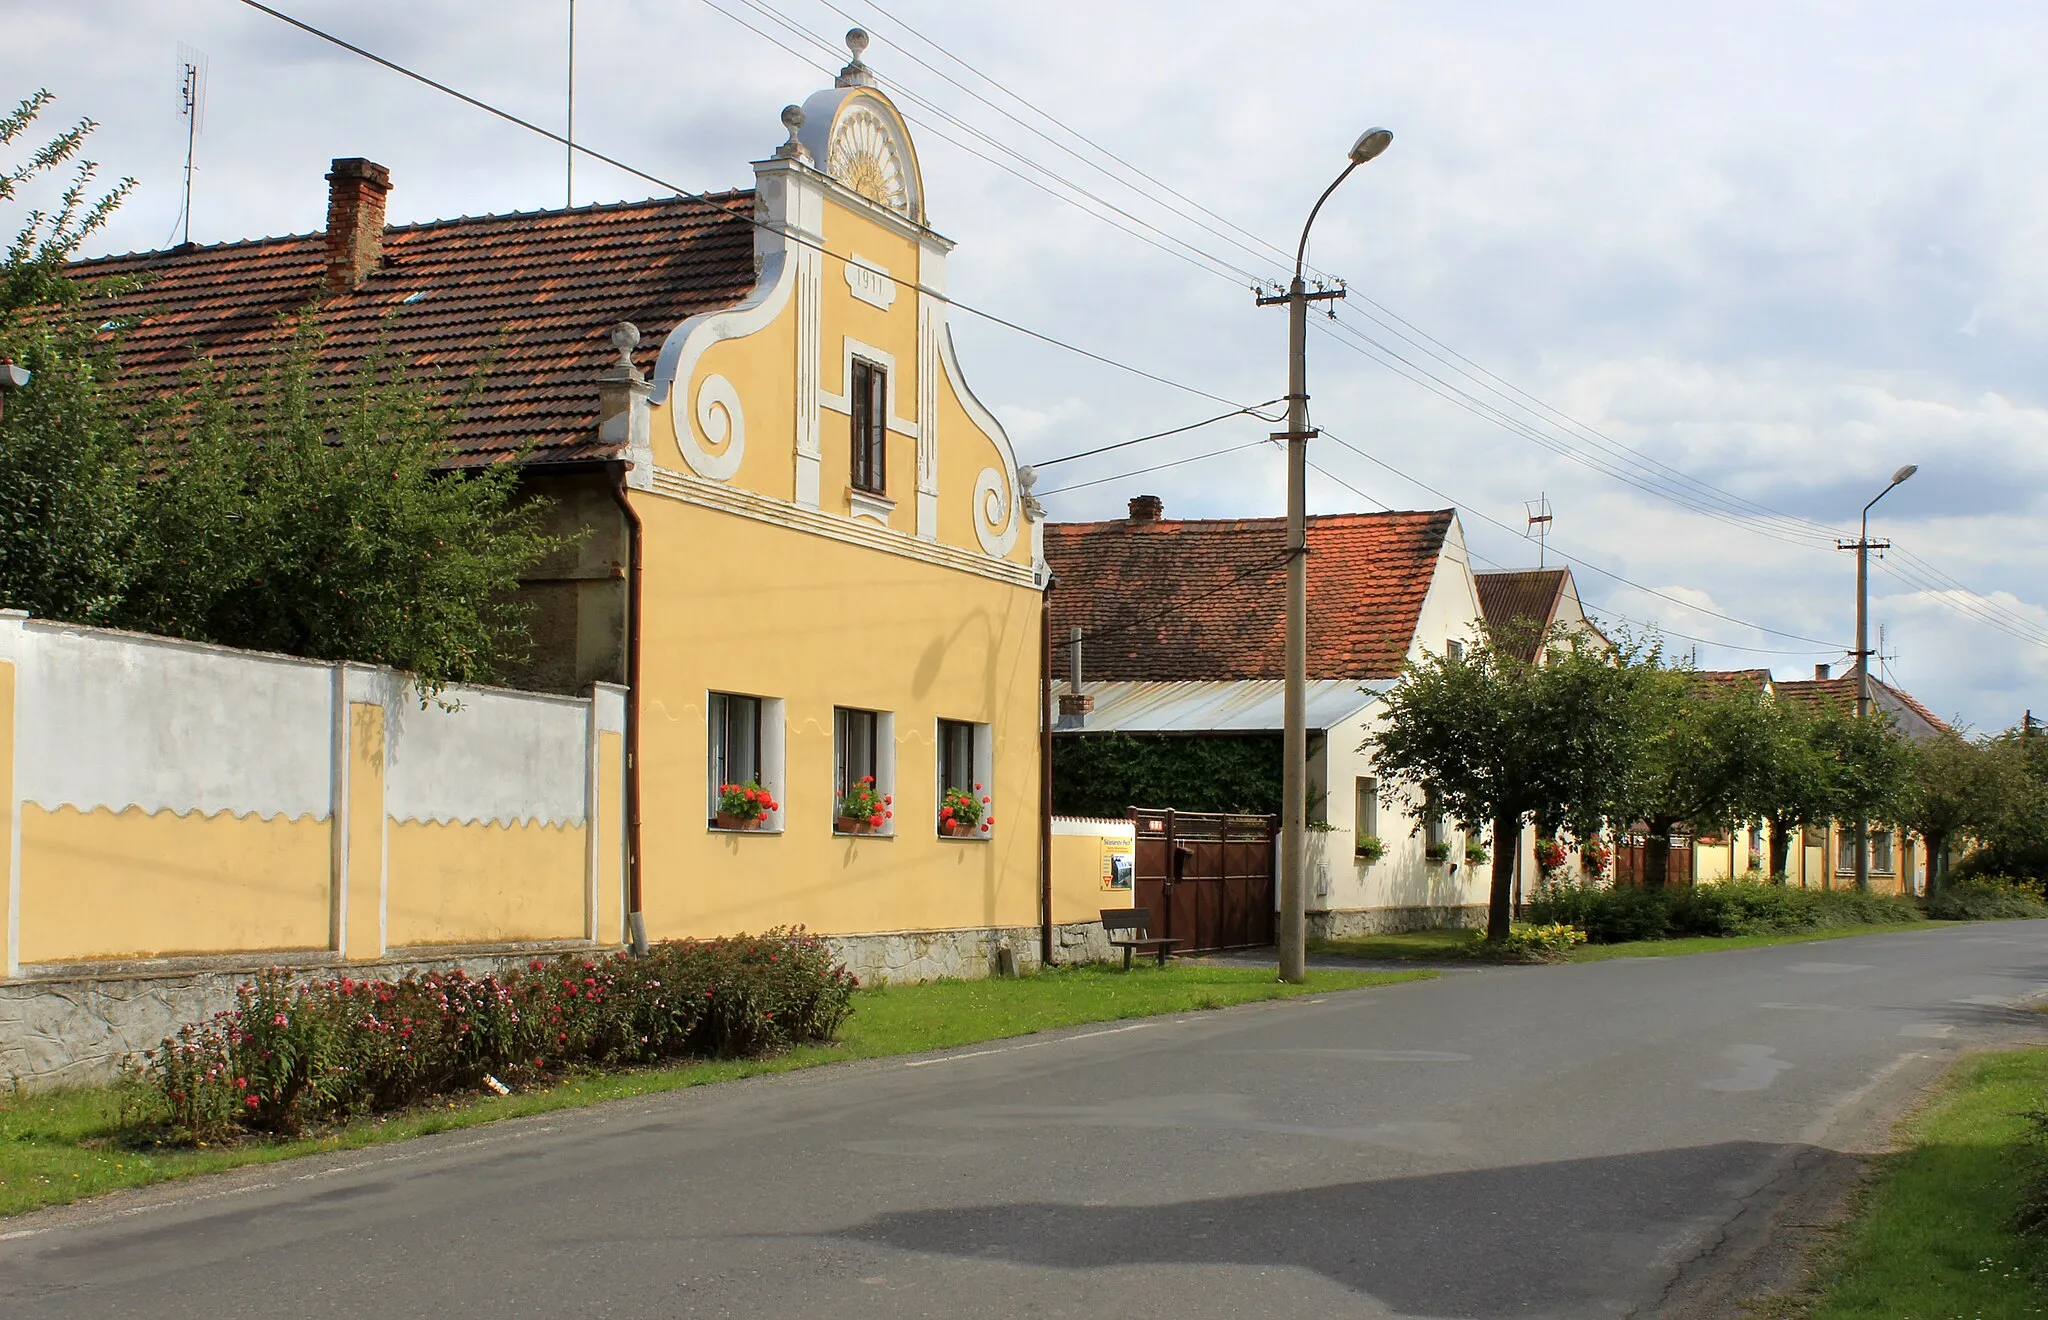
<point x="569" y="132"/>
<point x="192" y="94"/>
<point x="1539" y="523"/>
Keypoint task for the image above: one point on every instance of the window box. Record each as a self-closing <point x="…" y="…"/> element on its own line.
<point x="863" y="771"/>
<point x="744" y="738"/>
<point x="966" y="802"/>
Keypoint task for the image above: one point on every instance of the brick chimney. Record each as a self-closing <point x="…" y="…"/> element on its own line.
<point x="1820" y="671"/>
<point x="1146" y="509"/>
<point x="355" y="221"/>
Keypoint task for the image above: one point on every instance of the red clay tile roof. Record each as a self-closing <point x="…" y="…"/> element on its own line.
<point x="1519" y="605"/>
<point x="1206" y="599"/>
<point x="1731" y="677"/>
<point x="1841" y="694"/>
<point x="526" y="299"/>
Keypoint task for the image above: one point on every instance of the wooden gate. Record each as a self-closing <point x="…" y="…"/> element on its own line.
<point x="1207" y="879"/>
<point x="1631" y="861"/>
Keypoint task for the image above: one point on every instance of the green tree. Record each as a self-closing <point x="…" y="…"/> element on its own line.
<point x="67" y="477"/>
<point x="1719" y="756"/>
<point x="283" y="509"/>
<point x="1493" y="740"/>
<point x="1797" y="792"/>
<point x="1864" y="764"/>
<point x="1955" y="787"/>
<point x="2014" y="839"/>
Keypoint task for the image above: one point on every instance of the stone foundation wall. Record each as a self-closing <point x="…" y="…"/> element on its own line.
<point x="899" y="957"/>
<point x="78" y="1025"/>
<point x="1393" y="921"/>
<point x="75" y="1028"/>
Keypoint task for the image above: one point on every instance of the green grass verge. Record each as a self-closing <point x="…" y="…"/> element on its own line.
<point x="1458" y="945"/>
<point x="1929" y="1236"/>
<point x="58" y="1146"/>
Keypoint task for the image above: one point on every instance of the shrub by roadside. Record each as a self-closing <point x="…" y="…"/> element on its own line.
<point x="1736" y="907"/>
<point x="296" y="1052"/>
<point x="1533" y="943"/>
<point x="1984" y="898"/>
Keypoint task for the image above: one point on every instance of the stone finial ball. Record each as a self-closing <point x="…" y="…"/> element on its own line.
<point x="792" y="118"/>
<point x="857" y="41"/>
<point x="625" y="336"/>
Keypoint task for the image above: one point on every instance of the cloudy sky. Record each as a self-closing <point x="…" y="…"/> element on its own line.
<point x="1704" y="275"/>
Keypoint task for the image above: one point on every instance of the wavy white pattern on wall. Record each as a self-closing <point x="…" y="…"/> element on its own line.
<point x="116" y="720"/>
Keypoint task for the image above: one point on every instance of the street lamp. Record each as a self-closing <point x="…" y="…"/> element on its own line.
<point x="12" y="378"/>
<point x="1293" y="933"/>
<point x="1863" y="545"/>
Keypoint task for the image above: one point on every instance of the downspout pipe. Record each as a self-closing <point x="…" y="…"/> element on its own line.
<point x="636" y="921"/>
<point x="1045" y="718"/>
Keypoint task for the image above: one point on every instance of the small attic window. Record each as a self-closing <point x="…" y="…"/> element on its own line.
<point x="416" y="296"/>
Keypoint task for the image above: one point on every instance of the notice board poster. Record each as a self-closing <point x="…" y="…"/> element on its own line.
<point x="1119" y="863"/>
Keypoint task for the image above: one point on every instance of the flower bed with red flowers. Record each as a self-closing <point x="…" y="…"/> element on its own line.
<point x="297" y="1052"/>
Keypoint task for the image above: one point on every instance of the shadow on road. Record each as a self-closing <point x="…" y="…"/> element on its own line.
<point x="1539" y="1238"/>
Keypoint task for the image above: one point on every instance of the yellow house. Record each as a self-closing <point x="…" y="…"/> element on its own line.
<point x="807" y="550"/>
<point x="838" y="574"/>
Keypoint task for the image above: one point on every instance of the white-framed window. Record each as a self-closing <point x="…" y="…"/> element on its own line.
<point x="1881" y="851"/>
<point x="745" y="743"/>
<point x="867" y="397"/>
<point x="864" y="748"/>
<point x="1454" y="650"/>
<point x="1845" y="851"/>
<point x="1365" y="811"/>
<point x="1435" y="830"/>
<point x="966" y="764"/>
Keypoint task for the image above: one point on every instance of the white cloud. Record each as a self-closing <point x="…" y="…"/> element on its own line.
<point x="1739" y="238"/>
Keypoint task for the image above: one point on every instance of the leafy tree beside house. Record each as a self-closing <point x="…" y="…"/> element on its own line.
<point x="1956" y="787"/>
<point x="1495" y="739"/>
<point x="280" y="508"/>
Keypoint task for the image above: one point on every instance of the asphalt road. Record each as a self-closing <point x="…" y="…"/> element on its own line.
<point x="1611" y="1139"/>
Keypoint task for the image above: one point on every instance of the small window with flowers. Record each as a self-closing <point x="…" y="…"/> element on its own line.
<point x="966" y="790"/>
<point x="863" y="772"/>
<point x="745" y="741"/>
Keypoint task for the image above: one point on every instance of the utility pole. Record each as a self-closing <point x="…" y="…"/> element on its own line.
<point x="1293" y="933"/>
<point x="1863" y="545"/>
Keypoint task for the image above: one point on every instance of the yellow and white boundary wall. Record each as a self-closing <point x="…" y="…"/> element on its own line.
<point x="172" y="806"/>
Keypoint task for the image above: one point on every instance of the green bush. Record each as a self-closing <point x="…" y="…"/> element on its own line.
<point x="1534" y="943"/>
<point x="1985" y="898"/>
<point x="1734" y="907"/>
<point x="295" y="1052"/>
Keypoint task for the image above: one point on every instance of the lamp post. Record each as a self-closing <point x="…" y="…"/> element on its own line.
<point x="1293" y="932"/>
<point x="12" y="378"/>
<point x="1863" y="545"/>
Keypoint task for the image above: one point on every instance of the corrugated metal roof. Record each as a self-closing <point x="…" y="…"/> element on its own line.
<point x="1218" y="706"/>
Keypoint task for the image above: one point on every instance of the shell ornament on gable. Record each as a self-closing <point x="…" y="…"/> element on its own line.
<point x="864" y="157"/>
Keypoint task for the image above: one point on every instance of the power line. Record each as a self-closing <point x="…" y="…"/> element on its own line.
<point x="1481" y="514"/>
<point x="1251" y="411"/>
<point x="1193" y="255"/>
<point x="685" y="194"/>
<point x="1598" y="609"/>
<point x="1271" y="253"/>
<point x="1156" y="467"/>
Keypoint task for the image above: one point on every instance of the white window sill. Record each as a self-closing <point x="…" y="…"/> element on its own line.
<point x="765" y="829"/>
<point x="867" y="504"/>
<point x="863" y="834"/>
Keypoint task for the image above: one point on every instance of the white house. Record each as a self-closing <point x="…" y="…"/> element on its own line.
<point x="1183" y="637"/>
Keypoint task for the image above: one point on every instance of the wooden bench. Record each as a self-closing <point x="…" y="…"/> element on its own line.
<point x="1139" y="922"/>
